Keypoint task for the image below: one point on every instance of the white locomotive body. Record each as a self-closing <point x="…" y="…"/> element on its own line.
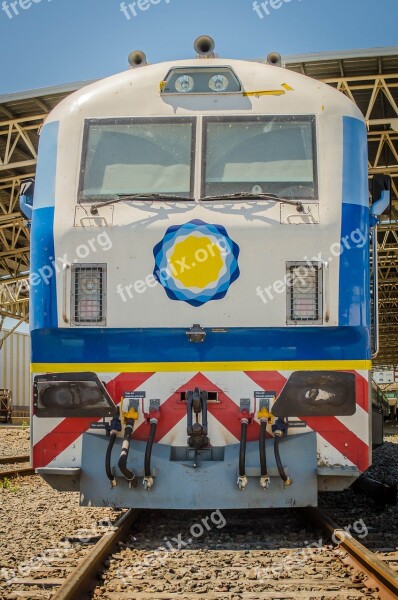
<point x="200" y="297"/>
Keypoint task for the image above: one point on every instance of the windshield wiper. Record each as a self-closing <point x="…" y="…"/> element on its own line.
<point x="126" y="197"/>
<point x="253" y="196"/>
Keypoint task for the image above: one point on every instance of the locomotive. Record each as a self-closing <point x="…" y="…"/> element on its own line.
<point x="201" y="316"/>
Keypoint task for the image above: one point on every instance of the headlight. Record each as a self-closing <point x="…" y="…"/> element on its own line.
<point x="185" y="84"/>
<point x="71" y="395"/>
<point x="317" y="394"/>
<point x="218" y="83"/>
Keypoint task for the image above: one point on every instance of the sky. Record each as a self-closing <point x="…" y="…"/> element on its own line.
<point x="50" y="42"/>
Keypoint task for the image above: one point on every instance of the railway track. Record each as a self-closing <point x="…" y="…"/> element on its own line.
<point x="8" y="460"/>
<point x="275" y="561"/>
<point x="15" y="472"/>
<point x="11" y="474"/>
<point x="377" y="570"/>
<point x="68" y="569"/>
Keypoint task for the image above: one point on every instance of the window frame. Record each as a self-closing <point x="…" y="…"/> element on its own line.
<point x="262" y="119"/>
<point x="81" y="198"/>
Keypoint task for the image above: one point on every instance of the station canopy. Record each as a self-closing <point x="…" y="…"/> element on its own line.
<point x="368" y="77"/>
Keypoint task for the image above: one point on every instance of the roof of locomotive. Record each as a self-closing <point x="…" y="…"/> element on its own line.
<point x="137" y="92"/>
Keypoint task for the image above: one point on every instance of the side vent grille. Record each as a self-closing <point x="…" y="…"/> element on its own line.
<point x="304" y="292"/>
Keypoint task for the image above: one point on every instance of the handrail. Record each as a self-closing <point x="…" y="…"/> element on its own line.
<point x="327" y="290"/>
<point x="65" y="268"/>
<point x="375" y="285"/>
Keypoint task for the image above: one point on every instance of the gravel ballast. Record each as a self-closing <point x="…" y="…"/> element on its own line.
<point x="35" y="518"/>
<point x="14" y="442"/>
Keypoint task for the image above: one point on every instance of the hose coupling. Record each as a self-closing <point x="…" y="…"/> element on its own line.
<point x="280" y="427"/>
<point x="147" y="483"/>
<point x="265" y="481"/>
<point x="264" y="415"/>
<point x="242" y="482"/>
<point x="113" y="427"/>
<point x="132" y="482"/>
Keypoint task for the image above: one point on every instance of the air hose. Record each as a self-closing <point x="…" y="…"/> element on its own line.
<point x="264" y="478"/>
<point x="281" y="470"/>
<point x="148" y="449"/>
<point x="263" y="457"/>
<point x="111" y="430"/>
<point x="129" y="475"/>
<point x="242" y="449"/>
<point x="109" y="474"/>
<point x="242" y="479"/>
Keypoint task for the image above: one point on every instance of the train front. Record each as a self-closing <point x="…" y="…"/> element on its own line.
<point x="200" y="288"/>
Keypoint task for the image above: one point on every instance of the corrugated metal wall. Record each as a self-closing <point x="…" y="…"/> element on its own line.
<point x="15" y="368"/>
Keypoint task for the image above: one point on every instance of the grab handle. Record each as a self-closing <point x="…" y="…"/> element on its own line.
<point x="375" y="290"/>
<point x="326" y="290"/>
<point x="65" y="268"/>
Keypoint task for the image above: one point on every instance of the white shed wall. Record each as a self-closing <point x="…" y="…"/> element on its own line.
<point x="15" y="368"/>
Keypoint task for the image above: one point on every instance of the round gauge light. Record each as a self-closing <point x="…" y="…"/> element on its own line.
<point x="218" y="83"/>
<point x="184" y="84"/>
<point x="89" y="309"/>
<point x="303" y="285"/>
<point x="89" y="284"/>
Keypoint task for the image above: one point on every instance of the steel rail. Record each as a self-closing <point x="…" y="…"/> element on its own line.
<point x="367" y="561"/>
<point x="9" y="460"/>
<point x="16" y="472"/>
<point x="81" y="579"/>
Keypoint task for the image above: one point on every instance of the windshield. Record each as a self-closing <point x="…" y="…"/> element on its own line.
<point x="133" y="156"/>
<point x="260" y="155"/>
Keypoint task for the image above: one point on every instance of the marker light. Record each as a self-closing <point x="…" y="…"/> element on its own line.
<point x="185" y="84"/>
<point x="218" y="83"/>
<point x="200" y="80"/>
<point x="89" y="310"/>
<point x="89" y="284"/>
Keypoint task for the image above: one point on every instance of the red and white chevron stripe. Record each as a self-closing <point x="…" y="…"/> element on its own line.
<point x="342" y="441"/>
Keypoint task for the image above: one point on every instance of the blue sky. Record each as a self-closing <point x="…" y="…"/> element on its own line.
<point x="59" y="41"/>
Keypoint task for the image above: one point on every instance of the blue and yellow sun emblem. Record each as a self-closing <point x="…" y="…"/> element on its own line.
<point x="196" y="262"/>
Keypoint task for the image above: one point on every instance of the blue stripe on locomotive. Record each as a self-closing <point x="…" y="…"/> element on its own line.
<point x="119" y="345"/>
<point x="43" y="306"/>
<point x="354" y="286"/>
